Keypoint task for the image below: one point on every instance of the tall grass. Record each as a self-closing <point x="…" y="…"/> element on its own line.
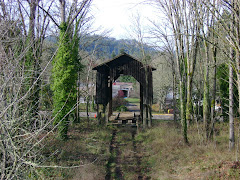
<point x="161" y="152"/>
<point x="83" y="156"/>
<point x="169" y="158"/>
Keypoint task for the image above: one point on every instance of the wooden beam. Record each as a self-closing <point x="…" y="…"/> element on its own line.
<point x="98" y="115"/>
<point x="110" y="111"/>
<point x="141" y="101"/>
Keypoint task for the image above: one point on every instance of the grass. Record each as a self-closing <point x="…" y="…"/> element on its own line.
<point x="87" y="148"/>
<point x="156" y="153"/>
<point x="133" y="100"/>
<point x="129" y="156"/>
<point x="82" y="107"/>
<point x="170" y="158"/>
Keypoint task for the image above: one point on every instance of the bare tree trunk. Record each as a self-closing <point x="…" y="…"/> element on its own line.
<point x="189" y="99"/>
<point x="88" y="89"/>
<point x="32" y="65"/>
<point x="214" y="91"/>
<point x="33" y="5"/>
<point x="78" y="100"/>
<point x="214" y="56"/>
<point x="205" y="19"/>
<point x="231" y="119"/>
<point x="183" y="111"/>
<point x="63" y="3"/>
<point x="236" y="24"/>
<point x="206" y="117"/>
<point x="174" y="96"/>
<point x="87" y="108"/>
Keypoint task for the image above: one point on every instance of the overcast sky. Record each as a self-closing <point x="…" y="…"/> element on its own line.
<point x="117" y="15"/>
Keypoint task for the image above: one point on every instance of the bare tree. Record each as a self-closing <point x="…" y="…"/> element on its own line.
<point x="184" y="25"/>
<point x="231" y="118"/>
<point x="230" y="35"/>
<point x="168" y="52"/>
<point x="138" y="33"/>
<point x="204" y="20"/>
<point x="214" y="48"/>
<point x="20" y="145"/>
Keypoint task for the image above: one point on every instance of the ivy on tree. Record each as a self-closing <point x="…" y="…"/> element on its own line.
<point x="64" y="77"/>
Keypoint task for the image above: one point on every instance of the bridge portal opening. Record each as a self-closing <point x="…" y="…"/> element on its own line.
<point x="110" y="71"/>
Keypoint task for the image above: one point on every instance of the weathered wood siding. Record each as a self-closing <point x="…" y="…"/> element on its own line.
<point x="124" y="64"/>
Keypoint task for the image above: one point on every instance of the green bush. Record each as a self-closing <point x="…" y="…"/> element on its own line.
<point x="122" y="108"/>
<point x="118" y="102"/>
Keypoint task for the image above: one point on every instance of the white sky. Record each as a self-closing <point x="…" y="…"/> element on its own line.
<point x="117" y="14"/>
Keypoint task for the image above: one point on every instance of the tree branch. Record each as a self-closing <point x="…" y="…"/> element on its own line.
<point x="49" y="16"/>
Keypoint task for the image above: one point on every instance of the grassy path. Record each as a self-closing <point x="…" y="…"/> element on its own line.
<point x="125" y="159"/>
<point x="95" y="152"/>
<point x="113" y="168"/>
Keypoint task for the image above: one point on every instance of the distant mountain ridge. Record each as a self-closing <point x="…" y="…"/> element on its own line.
<point x="108" y="47"/>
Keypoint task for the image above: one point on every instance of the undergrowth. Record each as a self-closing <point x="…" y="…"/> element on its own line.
<point x="169" y="157"/>
<point x="156" y="153"/>
<point x="83" y="156"/>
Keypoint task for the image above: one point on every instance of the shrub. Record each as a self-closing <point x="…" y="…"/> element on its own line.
<point x="155" y="107"/>
<point x="118" y="102"/>
<point x="122" y="108"/>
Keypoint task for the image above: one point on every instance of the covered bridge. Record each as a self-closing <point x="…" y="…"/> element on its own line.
<point x="109" y="71"/>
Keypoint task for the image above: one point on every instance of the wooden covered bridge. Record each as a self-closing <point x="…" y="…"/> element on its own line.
<point x="110" y="71"/>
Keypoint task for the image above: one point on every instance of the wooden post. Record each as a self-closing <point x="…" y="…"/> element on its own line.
<point x="150" y="116"/>
<point x="150" y="97"/>
<point x="144" y="118"/>
<point x="141" y="102"/>
<point x="147" y="117"/>
<point x="98" y="115"/>
<point x="110" y="100"/>
<point x="105" y="116"/>
<point x="144" y="106"/>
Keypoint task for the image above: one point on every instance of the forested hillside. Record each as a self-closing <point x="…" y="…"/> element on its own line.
<point x="107" y="47"/>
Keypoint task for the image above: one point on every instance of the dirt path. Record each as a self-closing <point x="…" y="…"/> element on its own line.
<point x="113" y="166"/>
<point x="125" y="161"/>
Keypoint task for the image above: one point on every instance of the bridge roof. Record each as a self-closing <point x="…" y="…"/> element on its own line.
<point x="119" y="60"/>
